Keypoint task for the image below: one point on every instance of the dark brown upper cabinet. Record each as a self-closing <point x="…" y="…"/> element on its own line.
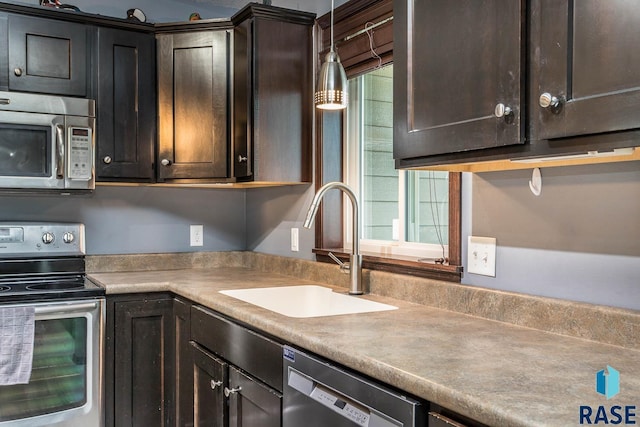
<point x="126" y="100"/>
<point x="568" y="70"/>
<point x="193" y="105"/>
<point x="587" y="68"/>
<point x="272" y="94"/>
<point x="49" y="56"/>
<point x="458" y="76"/>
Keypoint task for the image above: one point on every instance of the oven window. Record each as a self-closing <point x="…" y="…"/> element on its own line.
<point x="59" y="374"/>
<point x="25" y="150"/>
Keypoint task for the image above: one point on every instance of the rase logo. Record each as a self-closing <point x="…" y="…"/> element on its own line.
<point x="608" y="385"/>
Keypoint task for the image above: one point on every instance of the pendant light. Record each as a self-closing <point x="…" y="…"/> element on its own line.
<point x="332" y="82"/>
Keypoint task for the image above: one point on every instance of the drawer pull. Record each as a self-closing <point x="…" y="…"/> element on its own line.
<point x="215" y="384"/>
<point x="229" y="391"/>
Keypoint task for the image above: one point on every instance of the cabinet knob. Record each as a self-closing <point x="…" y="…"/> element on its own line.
<point x="165" y="162"/>
<point x="242" y="159"/>
<point x="17" y="71"/>
<point x="229" y="391"/>
<point x="549" y="101"/>
<point x="502" y="110"/>
<point x="107" y="160"/>
<point x="215" y="384"/>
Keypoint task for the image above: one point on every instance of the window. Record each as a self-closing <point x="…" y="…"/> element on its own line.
<point x="407" y="216"/>
<point x="403" y="212"/>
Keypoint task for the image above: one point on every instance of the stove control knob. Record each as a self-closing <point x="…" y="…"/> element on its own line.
<point x="68" y="237"/>
<point x="47" y="238"/>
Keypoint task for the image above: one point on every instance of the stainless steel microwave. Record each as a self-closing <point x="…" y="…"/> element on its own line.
<point x="46" y="143"/>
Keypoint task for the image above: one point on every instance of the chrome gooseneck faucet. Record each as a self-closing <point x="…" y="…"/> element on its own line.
<point x="355" y="264"/>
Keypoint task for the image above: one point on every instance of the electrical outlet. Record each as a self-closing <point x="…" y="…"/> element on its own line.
<point x="481" y="256"/>
<point x="295" y="243"/>
<point x="196" y="235"/>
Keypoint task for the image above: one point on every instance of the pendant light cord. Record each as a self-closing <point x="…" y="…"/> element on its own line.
<point x="332" y="25"/>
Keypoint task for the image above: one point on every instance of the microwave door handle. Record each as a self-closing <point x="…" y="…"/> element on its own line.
<point x="60" y="151"/>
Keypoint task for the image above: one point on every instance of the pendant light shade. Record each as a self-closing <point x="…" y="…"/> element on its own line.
<point x="332" y="84"/>
<point x="332" y="81"/>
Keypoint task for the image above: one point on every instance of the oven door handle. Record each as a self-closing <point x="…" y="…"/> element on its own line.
<point x="65" y="308"/>
<point x="60" y="151"/>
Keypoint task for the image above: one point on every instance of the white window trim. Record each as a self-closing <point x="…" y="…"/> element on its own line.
<point x="352" y="155"/>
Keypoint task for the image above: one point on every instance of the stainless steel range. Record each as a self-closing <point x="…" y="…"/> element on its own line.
<point x="42" y="270"/>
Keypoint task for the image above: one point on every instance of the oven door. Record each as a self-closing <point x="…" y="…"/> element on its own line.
<point x="31" y="150"/>
<point x="65" y="388"/>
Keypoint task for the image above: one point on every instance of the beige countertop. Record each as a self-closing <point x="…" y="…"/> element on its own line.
<point x="497" y="373"/>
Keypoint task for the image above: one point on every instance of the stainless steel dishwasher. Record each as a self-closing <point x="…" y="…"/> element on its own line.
<point x="319" y="394"/>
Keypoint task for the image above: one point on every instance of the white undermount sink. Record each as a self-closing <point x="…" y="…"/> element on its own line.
<point x="306" y="301"/>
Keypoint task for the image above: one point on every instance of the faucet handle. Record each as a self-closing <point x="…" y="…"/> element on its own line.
<point x="344" y="267"/>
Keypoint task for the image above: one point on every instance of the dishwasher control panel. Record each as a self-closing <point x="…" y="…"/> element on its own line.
<point x="335" y="402"/>
<point x="317" y="394"/>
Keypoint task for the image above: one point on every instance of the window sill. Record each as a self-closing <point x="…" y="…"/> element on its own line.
<point x="398" y="265"/>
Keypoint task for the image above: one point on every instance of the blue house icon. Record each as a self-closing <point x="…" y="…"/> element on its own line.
<point x="608" y="383"/>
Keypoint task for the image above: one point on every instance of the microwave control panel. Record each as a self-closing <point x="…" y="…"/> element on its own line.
<point x="80" y="160"/>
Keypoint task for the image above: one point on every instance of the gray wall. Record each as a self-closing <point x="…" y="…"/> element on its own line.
<point x="123" y="220"/>
<point x="179" y="10"/>
<point x="272" y="212"/>
<point x="580" y="240"/>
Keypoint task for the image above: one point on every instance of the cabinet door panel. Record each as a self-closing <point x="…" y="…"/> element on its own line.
<point x="254" y="404"/>
<point x="142" y="352"/>
<point x="457" y="61"/>
<point x="183" y="367"/>
<point x="48" y="56"/>
<point x="242" y="91"/>
<point x="589" y="59"/>
<point x="193" y="92"/>
<point x="193" y="105"/>
<point x="210" y="376"/>
<point x="126" y="106"/>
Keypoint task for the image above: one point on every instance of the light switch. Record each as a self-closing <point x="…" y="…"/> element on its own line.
<point x="481" y="256"/>
<point x="295" y="244"/>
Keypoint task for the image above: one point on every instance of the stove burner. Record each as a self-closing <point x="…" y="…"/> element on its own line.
<point x="4" y="288"/>
<point x="55" y="286"/>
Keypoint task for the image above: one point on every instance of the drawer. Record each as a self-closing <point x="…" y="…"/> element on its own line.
<point x="259" y="356"/>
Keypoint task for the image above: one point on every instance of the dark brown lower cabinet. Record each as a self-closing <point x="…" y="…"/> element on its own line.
<point x="210" y="375"/>
<point x="183" y="372"/>
<point x="252" y="403"/>
<point x="224" y="396"/>
<point x="237" y="373"/>
<point x="139" y="359"/>
<point x="170" y="363"/>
